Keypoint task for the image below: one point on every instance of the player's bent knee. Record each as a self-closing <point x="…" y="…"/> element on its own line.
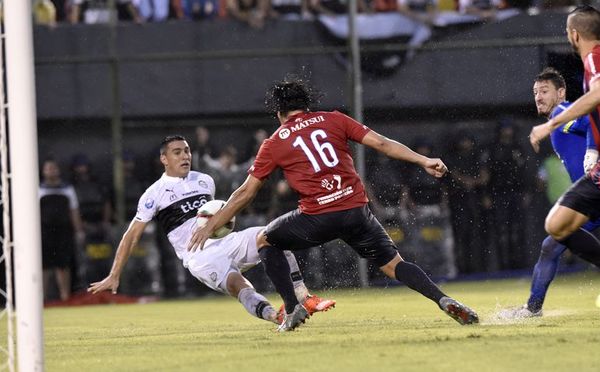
<point x="235" y="283"/>
<point x="558" y="230"/>
<point x="389" y="269"/>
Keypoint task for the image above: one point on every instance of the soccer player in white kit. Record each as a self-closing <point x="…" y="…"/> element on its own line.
<point x="174" y="200"/>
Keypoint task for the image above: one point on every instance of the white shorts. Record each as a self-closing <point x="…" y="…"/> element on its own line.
<point x="236" y="252"/>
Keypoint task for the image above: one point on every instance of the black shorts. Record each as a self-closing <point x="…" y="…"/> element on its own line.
<point x="584" y="197"/>
<point x="357" y="227"/>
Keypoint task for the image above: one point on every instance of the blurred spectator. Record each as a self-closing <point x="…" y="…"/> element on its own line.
<point x="204" y="9"/>
<point x="134" y="186"/>
<point x="468" y="180"/>
<point x="202" y="151"/>
<point x="252" y="147"/>
<point x="227" y="174"/>
<point x="94" y="200"/>
<point x="553" y="178"/>
<point x="44" y="13"/>
<point x="430" y="244"/>
<point x="251" y="12"/>
<point x="289" y="9"/>
<point x="62" y="9"/>
<point x="508" y="192"/>
<point x="96" y="213"/>
<point x="385" y="196"/>
<point x="153" y="10"/>
<point x="61" y="226"/>
<point x="333" y="7"/>
<point x="256" y="213"/>
<point x="488" y="10"/>
<point x="97" y="11"/>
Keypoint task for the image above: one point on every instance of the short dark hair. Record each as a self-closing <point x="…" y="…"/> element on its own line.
<point x="552" y="75"/>
<point x="168" y="139"/>
<point x="292" y="93"/>
<point x="586" y="20"/>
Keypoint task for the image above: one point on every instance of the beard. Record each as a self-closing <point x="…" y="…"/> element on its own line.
<point x="574" y="48"/>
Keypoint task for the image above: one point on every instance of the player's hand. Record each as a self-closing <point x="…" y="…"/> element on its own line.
<point x="199" y="237"/>
<point x="589" y="160"/>
<point x="435" y="167"/>
<point x="109" y="283"/>
<point x="538" y="133"/>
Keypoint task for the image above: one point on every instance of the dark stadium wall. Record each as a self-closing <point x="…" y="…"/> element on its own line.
<point x="73" y="74"/>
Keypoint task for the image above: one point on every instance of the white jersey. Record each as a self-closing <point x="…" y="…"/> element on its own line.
<point x="174" y="202"/>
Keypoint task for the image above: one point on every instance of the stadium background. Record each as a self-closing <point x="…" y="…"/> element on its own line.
<point x="173" y="77"/>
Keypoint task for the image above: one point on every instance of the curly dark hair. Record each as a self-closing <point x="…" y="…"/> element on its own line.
<point x="292" y="93"/>
<point x="552" y="75"/>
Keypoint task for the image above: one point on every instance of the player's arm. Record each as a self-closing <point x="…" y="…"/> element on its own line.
<point x="238" y="200"/>
<point x="591" y="153"/>
<point x="128" y="242"/>
<point x="583" y="106"/>
<point x="396" y="150"/>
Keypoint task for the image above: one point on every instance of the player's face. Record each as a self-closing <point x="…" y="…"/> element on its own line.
<point x="177" y="159"/>
<point x="573" y="37"/>
<point x="547" y="97"/>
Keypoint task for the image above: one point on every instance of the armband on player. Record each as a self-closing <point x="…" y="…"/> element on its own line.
<point x="590" y="159"/>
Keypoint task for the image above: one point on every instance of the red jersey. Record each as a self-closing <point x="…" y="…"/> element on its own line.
<point x="591" y="65"/>
<point x="312" y="150"/>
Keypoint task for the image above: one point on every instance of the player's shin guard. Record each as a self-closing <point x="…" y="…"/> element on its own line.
<point x="299" y="286"/>
<point x="416" y="279"/>
<point x="256" y="304"/>
<point x="278" y="270"/>
<point x="544" y="272"/>
<point x="585" y="245"/>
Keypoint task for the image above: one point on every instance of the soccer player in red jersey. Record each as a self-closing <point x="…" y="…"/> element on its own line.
<point x="581" y="203"/>
<point x="312" y="150"/>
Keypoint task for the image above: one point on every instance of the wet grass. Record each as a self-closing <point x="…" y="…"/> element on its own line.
<point x="389" y="329"/>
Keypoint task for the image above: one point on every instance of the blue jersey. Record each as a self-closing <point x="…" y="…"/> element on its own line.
<point x="570" y="142"/>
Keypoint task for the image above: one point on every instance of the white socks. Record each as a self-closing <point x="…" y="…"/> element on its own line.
<point x="299" y="287"/>
<point x="257" y="305"/>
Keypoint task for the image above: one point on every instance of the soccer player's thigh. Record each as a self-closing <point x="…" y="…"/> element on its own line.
<point x="580" y="203"/>
<point x="296" y="231"/>
<point x="370" y="240"/>
<point x="216" y="261"/>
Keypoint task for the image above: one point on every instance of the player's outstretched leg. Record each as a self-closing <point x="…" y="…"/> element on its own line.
<point x="544" y="272"/>
<point x="257" y="305"/>
<point x="416" y="279"/>
<point x="458" y="311"/>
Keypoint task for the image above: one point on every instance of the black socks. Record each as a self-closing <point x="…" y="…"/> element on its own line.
<point x="416" y="279"/>
<point x="278" y="270"/>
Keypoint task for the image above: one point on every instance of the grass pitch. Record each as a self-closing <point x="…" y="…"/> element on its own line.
<point x="391" y="329"/>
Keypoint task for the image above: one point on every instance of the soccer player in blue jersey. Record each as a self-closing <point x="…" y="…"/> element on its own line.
<point x="574" y="144"/>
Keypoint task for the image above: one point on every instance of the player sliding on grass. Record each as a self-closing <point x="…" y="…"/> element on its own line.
<point x="574" y="144"/>
<point x="312" y="150"/>
<point x="174" y="200"/>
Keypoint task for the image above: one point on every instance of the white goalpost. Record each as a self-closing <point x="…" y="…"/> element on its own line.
<point x="23" y="181"/>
